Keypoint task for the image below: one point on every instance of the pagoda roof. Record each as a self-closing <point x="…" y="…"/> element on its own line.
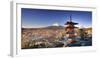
<point x="73" y="23"/>
<point x="71" y="27"/>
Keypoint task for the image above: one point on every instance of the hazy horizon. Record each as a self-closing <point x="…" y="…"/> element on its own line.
<point x="55" y="26"/>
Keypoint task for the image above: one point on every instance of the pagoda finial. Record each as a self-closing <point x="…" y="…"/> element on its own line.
<point x="70" y="18"/>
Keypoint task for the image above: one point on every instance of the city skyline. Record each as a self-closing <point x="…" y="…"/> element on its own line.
<point x="36" y="18"/>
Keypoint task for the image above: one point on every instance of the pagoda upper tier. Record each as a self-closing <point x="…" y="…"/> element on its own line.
<point x="70" y="22"/>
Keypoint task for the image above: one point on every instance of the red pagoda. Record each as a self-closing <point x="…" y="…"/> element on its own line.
<point x="70" y="28"/>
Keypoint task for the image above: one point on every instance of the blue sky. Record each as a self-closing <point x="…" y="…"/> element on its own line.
<point x="34" y="18"/>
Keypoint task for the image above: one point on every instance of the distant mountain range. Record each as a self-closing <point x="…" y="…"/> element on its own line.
<point x="48" y="27"/>
<point x="54" y="27"/>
